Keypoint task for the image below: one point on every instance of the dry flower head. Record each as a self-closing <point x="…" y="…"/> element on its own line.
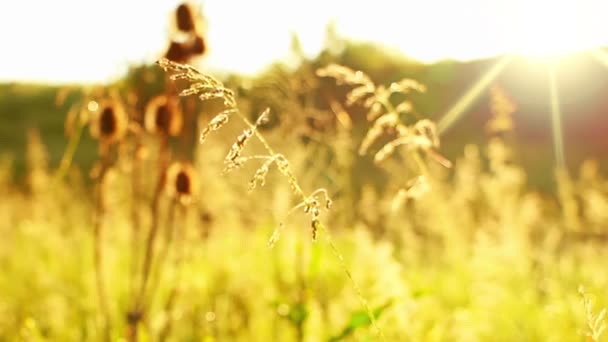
<point x="185" y="17"/>
<point x="198" y="46"/>
<point x="178" y="51"/>
<point x="109" y="123"/>
<point x="421" y="136"/>
<point x="502" y="108"/>
<point x="163" y="116"/>
<point x="206" y="88"/>
<point x="181" y="182"/>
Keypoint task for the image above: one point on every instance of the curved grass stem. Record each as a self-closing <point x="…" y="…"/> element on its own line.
<point x="354" y="284"/>
<point x="70" y="151"/>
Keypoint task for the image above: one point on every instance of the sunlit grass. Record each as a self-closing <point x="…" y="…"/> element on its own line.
<point x="165" y="246"/>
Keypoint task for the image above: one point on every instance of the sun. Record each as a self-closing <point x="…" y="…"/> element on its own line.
<point x="549" y="29"/>
<point x="545" y="31"/>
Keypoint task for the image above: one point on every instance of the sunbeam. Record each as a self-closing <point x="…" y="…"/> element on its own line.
<point x="556" y="119"/>
<point x="467" y="99"/>
<point x="601" y="56"/>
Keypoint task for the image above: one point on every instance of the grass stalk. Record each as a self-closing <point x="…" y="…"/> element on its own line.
<point x="98" y="245"/>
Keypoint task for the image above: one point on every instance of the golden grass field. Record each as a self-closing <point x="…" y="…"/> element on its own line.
<point x="218" y="210"/>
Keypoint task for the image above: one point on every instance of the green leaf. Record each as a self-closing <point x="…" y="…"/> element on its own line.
<point x="298" y="314"/>
<point x="295" y="313"/>
<point x="359" y="319"/>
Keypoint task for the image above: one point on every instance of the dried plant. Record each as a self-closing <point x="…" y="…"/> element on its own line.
<point x="139" y="296"/>
<point x="198" y="45"/>
<point x="188" y="39"/>
<point x="413" y="190"/>
<point x="109" y="126"/>
<point x="502" y="108"/>
<point x="163" y="116"/>
<point x="373" y="97"/>
<point x="595" y="322"/>
<point x="206" y="87"/>
<point x="419" y="137"/>
<point x="178" y="51"/>
<point x="385" y="117"/>
<point x="181" y="188"/>
<point x="181" y="183"/>
<point x="164" y="119"/>
<point x="109" y="123"/>
<point x="185" y="17"/>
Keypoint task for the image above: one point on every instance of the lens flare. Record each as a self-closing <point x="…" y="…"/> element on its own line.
<point x="556" y="119"/>
<point x="472" y="94"/>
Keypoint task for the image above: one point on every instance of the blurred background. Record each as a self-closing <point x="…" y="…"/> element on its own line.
<point x="468" y="201"/>
<point x="446" y="46"/>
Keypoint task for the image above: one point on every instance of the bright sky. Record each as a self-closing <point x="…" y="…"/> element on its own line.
<point x="92" y="40"/>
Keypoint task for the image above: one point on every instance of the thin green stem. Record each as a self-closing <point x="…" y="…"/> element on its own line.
<point x="333" y="247"/>
<point x="68" y="155"/>
<point x="163" y="254"/>
<point x="98" y="245"/>
<point x="271" y="151"/>
<point x="165" y="331"/>
<point x="139" y="305"/>
<point x="356" y="287"/>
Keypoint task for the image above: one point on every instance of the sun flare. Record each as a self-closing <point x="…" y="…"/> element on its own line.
<point x="428" y="31"/>
<point x="550" y="29"/>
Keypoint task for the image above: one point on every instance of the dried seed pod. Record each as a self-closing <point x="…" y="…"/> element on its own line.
<point x="238" y="146"/>
<point x="314" y="225"/>
<point x="185" y="18"/>
<point x="181" y="183"/>
<point x="178" y="52"/>
<point x="259" y="178"/>
<point x="163" y="116"/>
<point x="109" y="123"/>
<point x="198" y="46"/>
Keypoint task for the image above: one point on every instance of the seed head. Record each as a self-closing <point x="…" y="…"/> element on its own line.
<point x="181" y="183"/>
<point x="109" y="123"/>
<point x="185" y="18"/>
<point x="198" y="46"/>
<point x="178" y="52"/>
<point x="163" y="116"/>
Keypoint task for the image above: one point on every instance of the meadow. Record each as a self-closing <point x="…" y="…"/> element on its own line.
<point x="312" y="203"/>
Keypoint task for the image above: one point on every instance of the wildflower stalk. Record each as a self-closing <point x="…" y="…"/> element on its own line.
<point x="354" y="284"/>
<point x="68" y="155"/>
<point x="595" y="322"/>
<point x="109" y="126"/>
<point x="136" y="187"/>
<point x="416" y="154"/>
<point x="98" y="244"/>
<point x="302" y="286"/>
<point x="155" y="207"/>
<point x="164" y="251"/>
<point x="206" y="87"/>
<point x="138" y="307"/>
<point x="176" y="234"/>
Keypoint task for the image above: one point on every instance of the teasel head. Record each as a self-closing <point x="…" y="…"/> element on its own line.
<point x="198" y="45"/>
<point x="185" y="17"/>
<point x="181" y="182"/>
<point x="178" y="52"/>
<point x="109" y="123"/>
<point x="163" y="116"/>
